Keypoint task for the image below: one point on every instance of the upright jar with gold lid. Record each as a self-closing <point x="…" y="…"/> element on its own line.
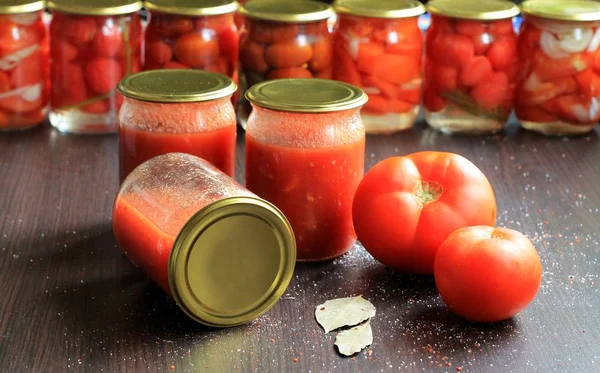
<point x="186" y="111"/>
<point x="23" y="60"/>
<point x="199" y="34"/>
<point x="174" y="217"/>
<point x="378" y="46"/>
<point x="305" y="148"/>
<point x="559" y="89"/>
<point x="93" y="44"/>
<point x="471" y="65"/>
<point x="285" y="39"/>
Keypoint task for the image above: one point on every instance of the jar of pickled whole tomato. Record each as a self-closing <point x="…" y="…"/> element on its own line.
<point x="23" y="57"/>
<point x="223" y="254"/>
<point x="93" y="44"/>
<point x="284" y="39"/>
<point x="378" y="46"/>
<point x="184" y="111"/>
<point x="305" y="147"/>
<point x="471" y="65"/>
<point x="558" y="92"/>
<point x="192" y="34"/>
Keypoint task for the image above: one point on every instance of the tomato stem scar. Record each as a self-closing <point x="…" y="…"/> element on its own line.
<point x="427" y="191"/>
<point x="497" y="235"/>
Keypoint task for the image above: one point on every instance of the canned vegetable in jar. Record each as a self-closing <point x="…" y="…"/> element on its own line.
<point x="378" y="46"/>
<point x="285" y="39"/>
<point x="186" y="111"/>
<point x="223" y="254"/>
<point x="471" y="65"/>
<point x="559" y="90"/>
<point x="305" y="146"/>
<point x="23" y="61"/>
<point x="192" y="34"/>
<point x="93" y="44"/>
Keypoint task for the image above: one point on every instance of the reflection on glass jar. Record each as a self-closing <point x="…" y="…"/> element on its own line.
<point x="186" y="111"/>
<point x="174" y="217"/>
<point x="471" y="65"/>
<point x="559" y="89"/>
<point x="93" y="45"/>
<point x="305" y="145"/>
<point x="187" y="34"/>
<point x="378" y="47"/>
<point x="23" y="64"/>
<point x="284" y="39"/>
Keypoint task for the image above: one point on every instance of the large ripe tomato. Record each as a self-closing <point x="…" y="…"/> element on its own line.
<point x="405" y="207"/>
<point x="487" y="274"/>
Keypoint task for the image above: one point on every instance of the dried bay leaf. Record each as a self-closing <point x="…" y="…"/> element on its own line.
<point x="354" y="340"/>
<point x="340" y="312"/>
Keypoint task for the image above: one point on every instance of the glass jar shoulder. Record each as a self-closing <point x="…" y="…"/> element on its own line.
<point x="177" y="117"/>
<point x="306" y="130"/>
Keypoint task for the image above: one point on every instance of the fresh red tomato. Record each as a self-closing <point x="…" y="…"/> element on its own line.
<point x="405" y="207"/>
<point x="487" y="274"/>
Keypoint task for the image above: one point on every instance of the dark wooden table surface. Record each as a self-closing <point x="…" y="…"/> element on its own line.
<point x="70" y="300"/>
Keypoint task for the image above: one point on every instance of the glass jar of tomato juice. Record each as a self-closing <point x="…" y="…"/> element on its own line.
<point x="223" y="254"/>
<point x="305" y="146"/>
<point x="192" y="34"/>
<point x="186" y="111"/>
<point x="284" y="39"/>
<point x="471" y="65"/>
<point x="559" y="89"/>
<point x="93" y="44"/>
<point x="378" y="46"/>
<point x="23" y="60"/>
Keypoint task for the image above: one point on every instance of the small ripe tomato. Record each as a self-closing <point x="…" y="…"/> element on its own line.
<point x="487" y="274"/>
<point x="405" y="207"/>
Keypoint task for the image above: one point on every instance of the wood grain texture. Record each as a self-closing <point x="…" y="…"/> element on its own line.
<point x="70" y="300"/>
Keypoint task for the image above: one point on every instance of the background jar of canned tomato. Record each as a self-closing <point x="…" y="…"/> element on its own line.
<point x="93" y="45"/>
<point x="284" y="39"/>
<point x="378" y="46"/>
<point x="471" y="65"/>
<point x="23" y="64"/>
<point x="559" y="89"/>
<point x="191" y="34"/>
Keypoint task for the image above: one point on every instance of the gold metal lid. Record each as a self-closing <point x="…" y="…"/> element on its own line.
<point x="96" y="7"/>
<point x="380" y="9"/>
<point x="296" y="11"/>
<point x="306" y="95"/>
<point x="474" y="9"/>
<point x="232" y="261"/>
<point x="192" y="7"/>
<point x="564" y="10"/>
<point x="21" y="6"/>
<point x="175" y="85"/>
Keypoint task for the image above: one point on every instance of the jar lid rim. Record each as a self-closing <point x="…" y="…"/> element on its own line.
<point x="23" y="6"/>
<point x="201" y="255"/>
<point x="380" y="9"/>
<point x="485" y="10"/>
<point x="192" y="7"/>
<point x="96" y="7"/>
<point x="176" y="86"/>
<point x="297" y="11"/>
<point x="563" y="10"/>
<point x="306" y="95"/>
